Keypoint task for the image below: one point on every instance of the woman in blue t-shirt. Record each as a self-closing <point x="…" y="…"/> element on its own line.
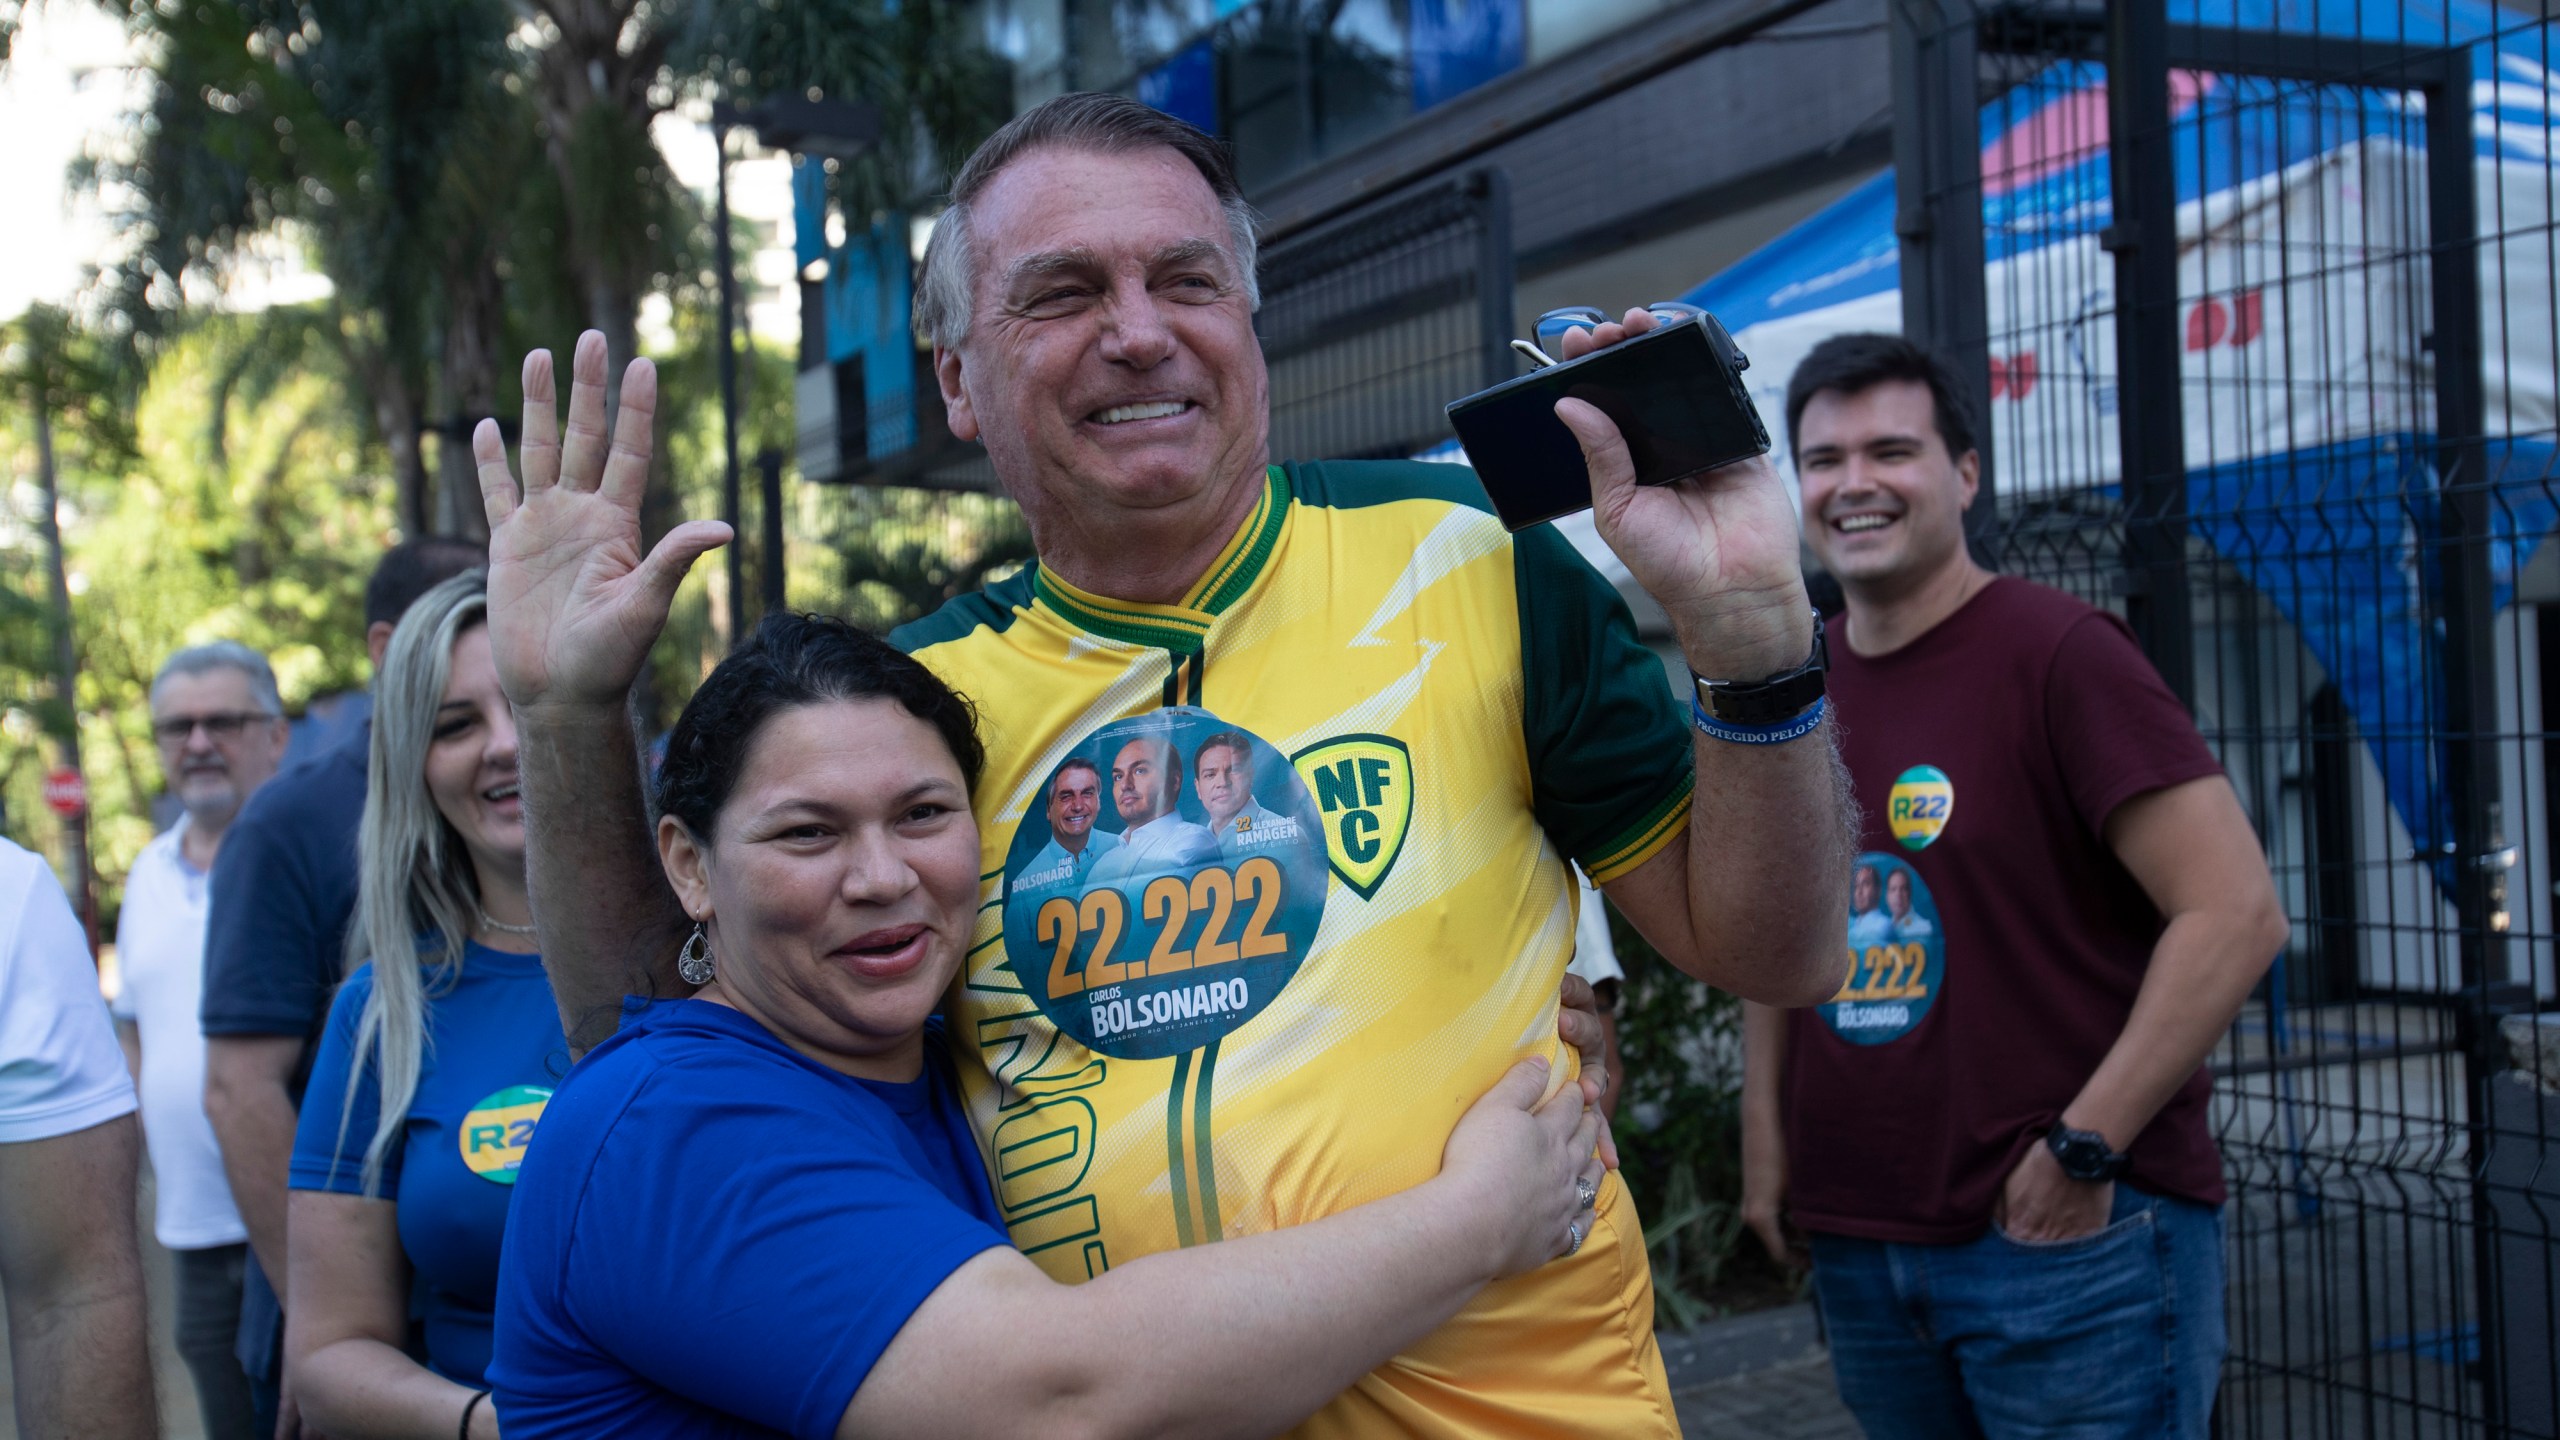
<point x="439" y="1056"/>
<point x="760" y="1210"/>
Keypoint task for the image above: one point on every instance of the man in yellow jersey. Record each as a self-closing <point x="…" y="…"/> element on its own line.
<point x="1445" y="714"/>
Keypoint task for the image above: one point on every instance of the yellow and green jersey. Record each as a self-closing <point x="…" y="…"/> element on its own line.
<point x="1323" y="908"/>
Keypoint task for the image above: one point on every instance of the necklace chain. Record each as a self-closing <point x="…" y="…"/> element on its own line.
<point x="504" y="928"/>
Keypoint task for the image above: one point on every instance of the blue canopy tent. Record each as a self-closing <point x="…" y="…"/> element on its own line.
<point x="2303" y="255"/>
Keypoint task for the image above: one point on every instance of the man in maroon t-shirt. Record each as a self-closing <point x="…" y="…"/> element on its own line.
<point x="1995" y="1136"/>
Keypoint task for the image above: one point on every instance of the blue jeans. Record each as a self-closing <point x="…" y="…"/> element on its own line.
<point x="2119" y="1333"/>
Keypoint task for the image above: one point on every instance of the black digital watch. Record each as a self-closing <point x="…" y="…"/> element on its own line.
<point x="2084" y="1154"/>
<point x="1773" y="701"/>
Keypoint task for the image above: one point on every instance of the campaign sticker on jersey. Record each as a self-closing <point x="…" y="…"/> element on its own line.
<point x="495" y="1132"/>
<point x="1166" y="885"/>
<point x="1918" y="806"/>
<point x="1897" y="953"/>
<point x="1363" y="786"/>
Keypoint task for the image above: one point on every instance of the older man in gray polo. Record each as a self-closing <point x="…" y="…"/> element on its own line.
<point x="1466" y="708"/>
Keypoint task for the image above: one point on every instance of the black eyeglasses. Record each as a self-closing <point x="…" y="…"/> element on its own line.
<point x="221" y="725"/>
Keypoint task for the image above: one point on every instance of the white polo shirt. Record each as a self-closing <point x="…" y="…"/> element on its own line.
<point x="60" y="1068"/>
<point x="1595" y="954"/>
<point x="160" y="951"/>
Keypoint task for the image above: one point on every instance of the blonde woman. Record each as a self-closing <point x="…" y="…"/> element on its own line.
<point x="439" y="1056"/>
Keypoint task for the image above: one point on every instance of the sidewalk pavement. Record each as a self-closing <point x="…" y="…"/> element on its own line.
<point x="1795" y="1401"/>
<point x="1761" y="1376"/>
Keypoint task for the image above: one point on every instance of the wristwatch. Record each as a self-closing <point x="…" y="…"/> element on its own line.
<point x="2084" y="1155"/>
<point x="1773" y="701"/>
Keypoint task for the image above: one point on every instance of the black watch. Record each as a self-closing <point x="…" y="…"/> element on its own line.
<point x="1773" y="701"/>
<point x="2084" y="1155"/>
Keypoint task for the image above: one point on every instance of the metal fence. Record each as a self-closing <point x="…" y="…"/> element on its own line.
<point x="1372" y="324"/>
<point x="908" y="528"/>
<point x="881" y="555"/>
<point x="2259" y="298"/>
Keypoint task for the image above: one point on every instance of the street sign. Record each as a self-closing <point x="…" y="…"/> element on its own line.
<point x="66" y="792"/>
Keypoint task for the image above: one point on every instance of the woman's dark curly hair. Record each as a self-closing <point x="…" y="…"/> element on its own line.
<point x="795" y="660"/>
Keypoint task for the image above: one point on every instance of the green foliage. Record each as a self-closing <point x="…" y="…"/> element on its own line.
<point x="901" y="553"/>
<point x="394" y="143"/>
<point x="919" y="59"/>
<point x="48" y="368"/>
<point x="243" y="510"/>
<point x="1679" y="1133"/>
<point x="689" y="437"/>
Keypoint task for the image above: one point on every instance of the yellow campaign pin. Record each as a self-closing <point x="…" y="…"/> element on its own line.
<point x="495" y="1132"/>
<point x="1918" y="806"/>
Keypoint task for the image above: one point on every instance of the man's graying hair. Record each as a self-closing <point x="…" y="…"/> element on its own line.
<point x="1094" y="123"/>
<point x="224" y="655"/>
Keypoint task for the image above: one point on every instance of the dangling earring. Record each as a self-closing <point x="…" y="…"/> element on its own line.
<point x="693" y="963"/>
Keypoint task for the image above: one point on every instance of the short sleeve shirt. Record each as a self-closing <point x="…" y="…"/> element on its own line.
<point x="283" y="889"/>
<point x="160" y="961"/>
<point x="1997" y="941"/>
<point x="493" y="1056"/>
<point x="1443" y="713"/>
<point x="60" y="1067"/>
<point x="719" y="1237"/>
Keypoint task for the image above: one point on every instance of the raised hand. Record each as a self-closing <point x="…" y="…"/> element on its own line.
<point x="1719" y="550"/>
<point x="573" y="603"/>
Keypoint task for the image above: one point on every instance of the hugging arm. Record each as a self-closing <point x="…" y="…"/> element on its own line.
<point x="1248" y="1336"/>
<point x="574" y="605"/>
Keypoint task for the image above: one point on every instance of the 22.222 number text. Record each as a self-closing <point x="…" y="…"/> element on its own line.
<point x="1892" y="973"/>
<point x="1218" y="893"/>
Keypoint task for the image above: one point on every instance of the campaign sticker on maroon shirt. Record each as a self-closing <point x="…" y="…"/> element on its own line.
<point x="1917" y="808"/>
<point x="1897" y="953"/>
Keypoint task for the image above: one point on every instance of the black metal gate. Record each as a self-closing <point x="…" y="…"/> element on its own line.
<point x="2258" y="296"/>
<point x="1371" y="325"/>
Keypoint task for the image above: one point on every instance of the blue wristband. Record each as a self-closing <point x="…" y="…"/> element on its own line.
<point x="1778" y="734"/>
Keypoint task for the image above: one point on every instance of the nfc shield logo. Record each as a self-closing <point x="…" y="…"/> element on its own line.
<point x="1363" y="786"/>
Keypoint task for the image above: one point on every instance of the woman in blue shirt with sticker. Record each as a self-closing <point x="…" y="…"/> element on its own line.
<point x="760" y="1210"/>
<point x="439" y="1056"/>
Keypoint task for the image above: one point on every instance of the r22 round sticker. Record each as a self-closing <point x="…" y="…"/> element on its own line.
<point x="1918" y="806"/>
<point x="1897" y="953"/>
<point x="1165" y="886"/>
<point x="495" y="1132"/>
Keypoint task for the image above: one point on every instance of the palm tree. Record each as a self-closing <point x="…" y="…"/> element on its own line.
<point x="385" y="135"/>
<point x="605" y="69"/>
<point x="401" y="140"/>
